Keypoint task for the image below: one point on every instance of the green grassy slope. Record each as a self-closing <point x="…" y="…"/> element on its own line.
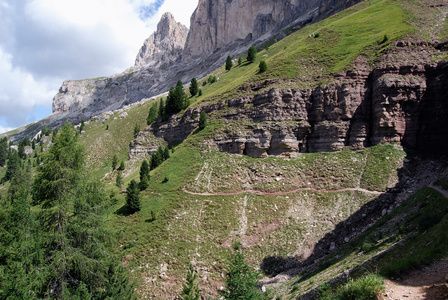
<point x="274" y="206"/>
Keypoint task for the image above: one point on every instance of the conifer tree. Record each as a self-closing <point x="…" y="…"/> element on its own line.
<point x="251" y="54"/>
<point x="262" y="67"/>
<point x="119" y="180"/>
<point x="162" y="109"/>
<point x="241" y="280"/>
<point x="194" y="87"/>
<point x="190" y="289"/>
<point x="240" y="61"/>
<point x="132" y="196"/>
<point x="76" y="261"/>
<point x="122" y="166"/>
<point x="202" y="120"/>
<point x="12" y="165"/>
<point x="229" y="63"/>
<point x="3" y="151"/>
<point x="152" y="115"/>
<point x="144" y="175"/>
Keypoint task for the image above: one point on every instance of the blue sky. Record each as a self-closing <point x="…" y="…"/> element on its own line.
<point x="44" y="42"/>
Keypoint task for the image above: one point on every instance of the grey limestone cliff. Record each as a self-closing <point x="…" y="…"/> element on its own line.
<point x="218" y="28"/>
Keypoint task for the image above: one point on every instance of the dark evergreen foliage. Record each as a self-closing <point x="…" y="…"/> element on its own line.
<point x="144" y="175"/>
<point x="229" y="63"/>
<point x="3" y="151"/>
<point x="132" y="196"/>
<point x="251" y="54"/>
<point x="194" y="88"/>
<point x="122" y="166"/>
<point x="262" y="67"/>
<point x="241" y="280"/>
<point x="153" y="114"/>
<point x="202" y="120"/>
<point x="175" y="101"/>
<point x="12" y="165"/>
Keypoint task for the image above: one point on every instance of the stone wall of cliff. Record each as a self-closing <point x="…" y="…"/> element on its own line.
<point x="219" y="28"/>
<point x="402" y="103"/>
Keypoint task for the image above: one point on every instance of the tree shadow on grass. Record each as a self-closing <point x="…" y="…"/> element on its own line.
<point x="124" y="211"/>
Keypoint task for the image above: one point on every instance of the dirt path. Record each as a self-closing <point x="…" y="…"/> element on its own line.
<point x="428" y="283"/>
<point x="440" y="190"/>
<point x="261" y="193"/>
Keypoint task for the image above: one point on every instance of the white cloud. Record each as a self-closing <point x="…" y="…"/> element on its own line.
<point x="5" y="129"/>
<point x="43" y="42"/>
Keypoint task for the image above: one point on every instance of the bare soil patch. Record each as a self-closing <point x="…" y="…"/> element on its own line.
<point x="428" y="283"/>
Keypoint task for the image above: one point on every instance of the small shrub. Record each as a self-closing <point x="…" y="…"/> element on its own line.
<point x="364" y="288"/>
<point x="263" y="67"/>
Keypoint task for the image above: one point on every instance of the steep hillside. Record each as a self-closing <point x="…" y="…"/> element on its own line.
<point x="328" y="166"/>
<point x="83" y="99"/>
<point x="374" y="74"/>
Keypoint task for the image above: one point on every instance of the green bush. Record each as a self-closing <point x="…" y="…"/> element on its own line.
<point x="364" y="288"/>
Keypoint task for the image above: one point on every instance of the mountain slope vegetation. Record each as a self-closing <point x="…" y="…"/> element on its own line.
<point x="308" y="223"/>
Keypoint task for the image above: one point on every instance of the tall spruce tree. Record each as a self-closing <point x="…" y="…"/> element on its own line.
<point x="3" y="151"/>
<point x="12" y="165"/>
<point x="202" y="120"/>
<point x="229" y="63"/>
<point x="241" y="280"/>
<point x="133" y="197"/>
<point x="175" y="101"/>
<point x="194" y="88"/>
<point x="251" y="54"/>
<point x="77" y="262"/>
<point x="153" y="114"/>
<point x="144" y="175"/>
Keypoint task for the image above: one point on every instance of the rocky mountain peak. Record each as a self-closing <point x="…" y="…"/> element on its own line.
<point x="165" y="45"/>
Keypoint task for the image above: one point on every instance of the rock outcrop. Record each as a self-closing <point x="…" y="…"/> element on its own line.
<point x="405" y="104"/>
<point x="218" y="24"/>
<point x="165" y="45"/>
<point x="218" y="28"/>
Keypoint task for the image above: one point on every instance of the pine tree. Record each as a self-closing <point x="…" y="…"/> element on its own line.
<point x="229" y="63"/>
<point x="144" y="175"/>
<point x="166" y="153"/>
<point x="157" y="158"/>
<point x="263" y="67"/>
<point x="3" y="151"/>
<point x="152" y="115"/>
<point x="114" y="161"/>
<point x="122" y="166"/>
<point x="202" y="120"/>
<point x="162" y="109"/>
<point x="194" y="87"/>
<point x="240" y="61"/>
<point x="132" y="196"/>
<point x="241" y="280"/>
<point x="76" y="262"/>
<point x="12" y="165"/>
<point x="190" y="289"/>
<point x="175" y="101"/>
<point x="251" y="54"/>
<point x="119" y="180"/>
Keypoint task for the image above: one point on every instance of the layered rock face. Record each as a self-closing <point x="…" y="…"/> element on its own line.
<point x="165" y="45"/>
<point x="406" y="104"/>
